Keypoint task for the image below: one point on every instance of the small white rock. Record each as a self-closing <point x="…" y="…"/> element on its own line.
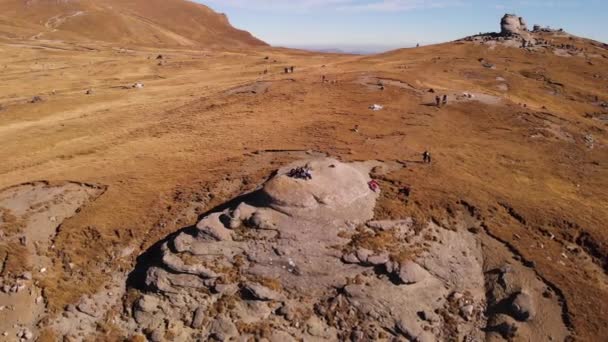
<point x="42" y="270"/>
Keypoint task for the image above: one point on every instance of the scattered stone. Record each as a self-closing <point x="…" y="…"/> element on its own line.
<point x="157" y="336"/>
<point x="226" y="289"/>
<point x="223" y="329"/>
<point x="522" y="307"/>
<point x="467" y="310"/>
<point x="262" y="293"/>
<point x="148" y="303"/>
<point x="27" y="276"/>
<point x="88" y="307"/>
<point x="411" y="273"/>
<point x="89" y="92"/>
<point x="25" y="334"/>
<point x="379" y="259"/>
<point x="198" y="318"/>
<point x="350" y="258"/>
<point x="260" y="221"/>
<point x="363" y="254"/>
<point x="212" y="227"/>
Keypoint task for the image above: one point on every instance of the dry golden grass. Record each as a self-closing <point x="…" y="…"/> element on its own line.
<point x="163" y="150"/>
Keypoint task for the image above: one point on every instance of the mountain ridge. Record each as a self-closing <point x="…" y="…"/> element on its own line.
<point x="163" y="23"/>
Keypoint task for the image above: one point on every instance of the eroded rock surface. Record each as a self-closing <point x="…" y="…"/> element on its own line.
<point x="304" y="259"/>
<point x="511" y="24"/>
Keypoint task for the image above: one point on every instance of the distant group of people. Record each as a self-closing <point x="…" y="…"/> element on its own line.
<point x="426" y="157"/>
<point x="441" y="101"/>
<point x="289" y="70"/>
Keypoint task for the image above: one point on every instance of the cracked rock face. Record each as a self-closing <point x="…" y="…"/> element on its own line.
<point x="295" y="260"/>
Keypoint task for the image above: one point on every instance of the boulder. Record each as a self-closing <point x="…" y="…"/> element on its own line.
<point x="148" y="303"/>
<point x="164" y="281"/>
<point x="363" y="254"/>
<point x="411" y="273"/>
<point x="223" y="329"/>
<point x="262" y="293"/>
<point x="88" y="307"/>
<point x="261" y="220"/>
<point x="522" y="307"/>
<point x="334" y="187"/>
<point x="350" y="258"/>
<point x="174" y="263"/>
<point x="226" y="289"/>
<point x="212" y="228"/>
<point x="378" y="259"/>
<point x="511" y="25"/>
<point x="198" y="318"/>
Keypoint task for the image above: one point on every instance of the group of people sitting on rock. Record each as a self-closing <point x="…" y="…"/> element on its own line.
<point x="300" y="173"/>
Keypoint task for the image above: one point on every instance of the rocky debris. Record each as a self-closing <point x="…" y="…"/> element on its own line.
<point x="148" y="303"/>
<point x="90" y="92"/>
<point x="198" y="317"/>
<point x="282" y="264"/>
<point x="350" y="258"/>
<point x="226" y="289"/>
<point x="402" y="225"/>
<point x="222" y="329"/>
<point x="411" y="273"/>
<point x="137" y="85"/>
<point x="89" y="307"/>
<point x="25" y="335"/>
<point x="378" y="259"/>
<point x="260" y="292"/>
<point x="366" y="257"/>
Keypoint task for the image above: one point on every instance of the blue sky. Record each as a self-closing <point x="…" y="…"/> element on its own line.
<point x="385" y="24"/>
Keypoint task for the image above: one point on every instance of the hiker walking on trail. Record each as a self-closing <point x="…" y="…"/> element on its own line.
<point x="438" y="101"/>
<point x="445" y="100"/>
<point x="287" y="70"/>
<point x="291" y="69"/>
<point x="426" y="157"/>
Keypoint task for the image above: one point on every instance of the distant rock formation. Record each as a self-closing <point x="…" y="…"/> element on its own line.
<point x="511" y="24"/>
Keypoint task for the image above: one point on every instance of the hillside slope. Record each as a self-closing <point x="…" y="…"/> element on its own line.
<point x="518" y="185"/>
<point x="139" y="22"/>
